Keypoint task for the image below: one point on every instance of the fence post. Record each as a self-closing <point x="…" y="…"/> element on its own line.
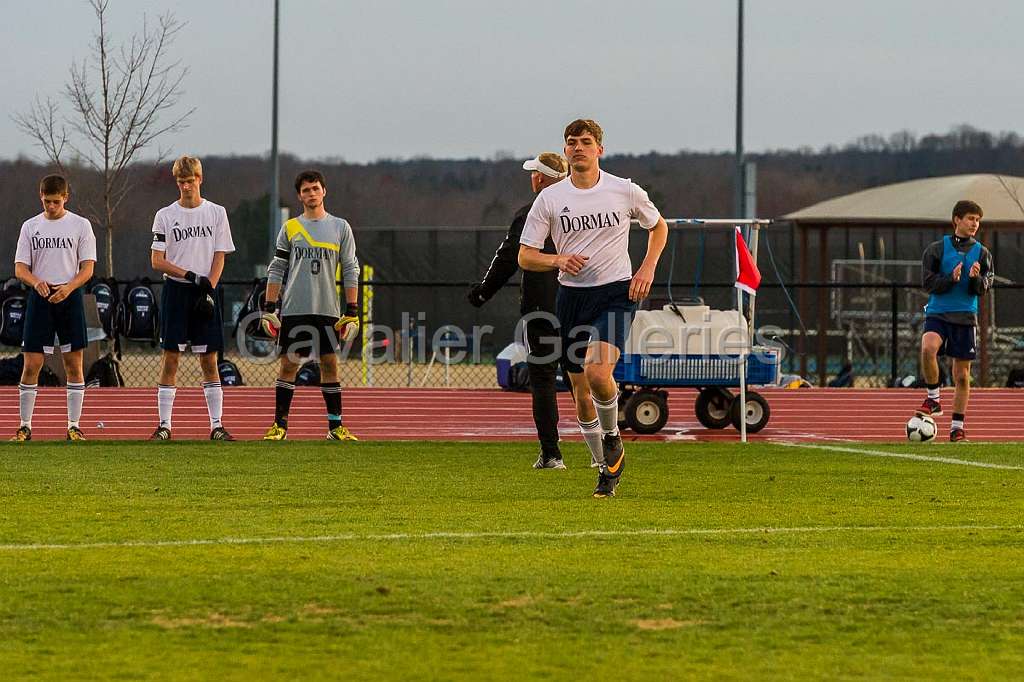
<point x="895" y="334"/>
<point x="366" y="351"/>
<point x="984" y="326"/>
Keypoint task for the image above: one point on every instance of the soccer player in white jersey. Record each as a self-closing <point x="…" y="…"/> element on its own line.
<point x="588" y="216"/>
<point x="55" y="256"/>
<point x="191" y="237"/>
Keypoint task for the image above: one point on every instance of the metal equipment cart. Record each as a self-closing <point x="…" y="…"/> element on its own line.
<point x="643" y="379"/>
<point x="643" y="400"/>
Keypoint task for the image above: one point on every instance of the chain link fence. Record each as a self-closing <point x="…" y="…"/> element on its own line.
<point x="869" y="331"/>
<point x="423" y="332"/>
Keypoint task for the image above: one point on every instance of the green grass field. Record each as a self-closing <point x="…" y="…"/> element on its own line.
<point x="457" y="561"/>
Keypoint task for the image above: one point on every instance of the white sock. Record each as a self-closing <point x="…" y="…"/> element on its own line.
<point x="592" y="435"/>
<point x="214" y="402"/>
<point x="27" y="402"/>
<point x="956" y="424"/>
<point x="76" y="396"/>
<point x="165" y="403"/>
<point x="933" y="393"/>
<point x="608" y="413"/>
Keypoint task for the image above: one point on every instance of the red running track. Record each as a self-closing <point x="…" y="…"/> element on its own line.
<point x="479" y="415"/>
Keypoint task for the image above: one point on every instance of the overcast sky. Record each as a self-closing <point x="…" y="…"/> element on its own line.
<point x="366" y="79"/>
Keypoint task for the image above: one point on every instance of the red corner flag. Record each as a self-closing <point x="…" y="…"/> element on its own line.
<point x="749" y="277"/>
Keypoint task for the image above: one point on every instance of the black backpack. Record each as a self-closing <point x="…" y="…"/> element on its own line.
<point x="229" y="374"/>
<point x="12" y="319"/>
<point x="844" y="379"/>
<point x="1015" y="379"/>
<point x="10" y="373"/>
<point x="137" y="312"/>
<point x="10" y="370"/>
<point x="309" y="374"/>
<point x="106" y="371"/>
<point x="105" y="292"/>
<point x="249" y="314"/>
<point x="47" y="377"/>
<point x="13" y="306"/>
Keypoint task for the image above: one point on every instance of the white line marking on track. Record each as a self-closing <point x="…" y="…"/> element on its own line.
<point x="903" y="455"/>
<point x="484" y="535"/>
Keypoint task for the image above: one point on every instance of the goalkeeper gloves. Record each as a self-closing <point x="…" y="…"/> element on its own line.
<point x="270" y="323"/>
<point x="204" y="283"/>
<point x="348" y="325"/>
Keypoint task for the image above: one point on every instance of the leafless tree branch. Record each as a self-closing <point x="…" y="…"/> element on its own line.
<point x="41" y="123"/>
<point x="116" y="98"/>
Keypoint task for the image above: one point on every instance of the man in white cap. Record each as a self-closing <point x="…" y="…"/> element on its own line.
<point x="537" y="304"/>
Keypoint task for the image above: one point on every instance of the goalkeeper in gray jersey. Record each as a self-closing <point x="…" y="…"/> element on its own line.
<point x="306" y="317"/>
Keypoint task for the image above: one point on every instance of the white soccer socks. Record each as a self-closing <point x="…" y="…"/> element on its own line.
<point x="592" y="434"/>
<point x="76" y="397"/>
<point x="608" y="413"/>
<point x="165" y="403"/>
<point x="27" y="402"/>
<point x="214" y="402"/>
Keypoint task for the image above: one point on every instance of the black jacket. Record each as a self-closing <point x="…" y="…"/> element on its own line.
<point x="538" y="289"/>
<point x="934" y="282"/>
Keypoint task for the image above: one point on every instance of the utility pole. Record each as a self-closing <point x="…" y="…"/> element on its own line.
<point x="739" y="193"/>
<point x="275" y="170"/>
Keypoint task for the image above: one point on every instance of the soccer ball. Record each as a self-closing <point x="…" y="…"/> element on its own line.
<point x="921" y="428"/>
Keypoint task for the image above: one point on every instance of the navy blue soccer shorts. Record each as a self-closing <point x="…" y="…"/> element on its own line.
<point x="589" y="314"/>
<point x="44" y="320"/>
<point x="959" y="341"/>
<point x="307" y="336"/>
<point x="180" y="327"/>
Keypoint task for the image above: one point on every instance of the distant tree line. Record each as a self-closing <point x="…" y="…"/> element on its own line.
<point x="473" y="192"/>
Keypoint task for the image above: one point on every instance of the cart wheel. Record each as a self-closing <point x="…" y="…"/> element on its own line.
<point x="757" y="411"/>
<point x="712" y="407"/>
<point x="646" y="411"/>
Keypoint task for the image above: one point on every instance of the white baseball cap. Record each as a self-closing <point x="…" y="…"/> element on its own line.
<point x="542" y="164"/>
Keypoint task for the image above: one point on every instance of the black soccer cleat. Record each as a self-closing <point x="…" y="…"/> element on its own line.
<point x="614" y="455"/>
<point x="24" y="433"/>
<point x="161" y="433"/>
<point x="75" y="434"/>
<point x="957" y="436"/>
<point x="220" y="433"/>
<point x="605" y="484"/>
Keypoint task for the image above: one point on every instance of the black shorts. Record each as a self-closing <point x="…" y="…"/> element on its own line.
<point x="959" y="341"/>
<point x="308" y="335"/>
<point x="589" y="314"/>
<point x="180" y="327"/>
<point x="43" y="320"/>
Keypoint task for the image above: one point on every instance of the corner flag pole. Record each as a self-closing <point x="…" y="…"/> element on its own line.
<point x="743" y="367"/>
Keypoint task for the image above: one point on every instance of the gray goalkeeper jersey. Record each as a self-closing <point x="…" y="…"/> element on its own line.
<point x="313" y="253"/>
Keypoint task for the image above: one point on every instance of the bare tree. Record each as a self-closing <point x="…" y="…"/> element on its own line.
<point x="116" y="99"/>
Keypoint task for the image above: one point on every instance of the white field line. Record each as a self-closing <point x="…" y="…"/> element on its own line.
<point x="902" y="455"/>
<point x="484" y="535"/>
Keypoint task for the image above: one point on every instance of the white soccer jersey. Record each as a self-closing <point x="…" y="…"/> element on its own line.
<point x="52" y="249"/>
<point x="190" y="236"/>
<point x="591" y="222"/>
